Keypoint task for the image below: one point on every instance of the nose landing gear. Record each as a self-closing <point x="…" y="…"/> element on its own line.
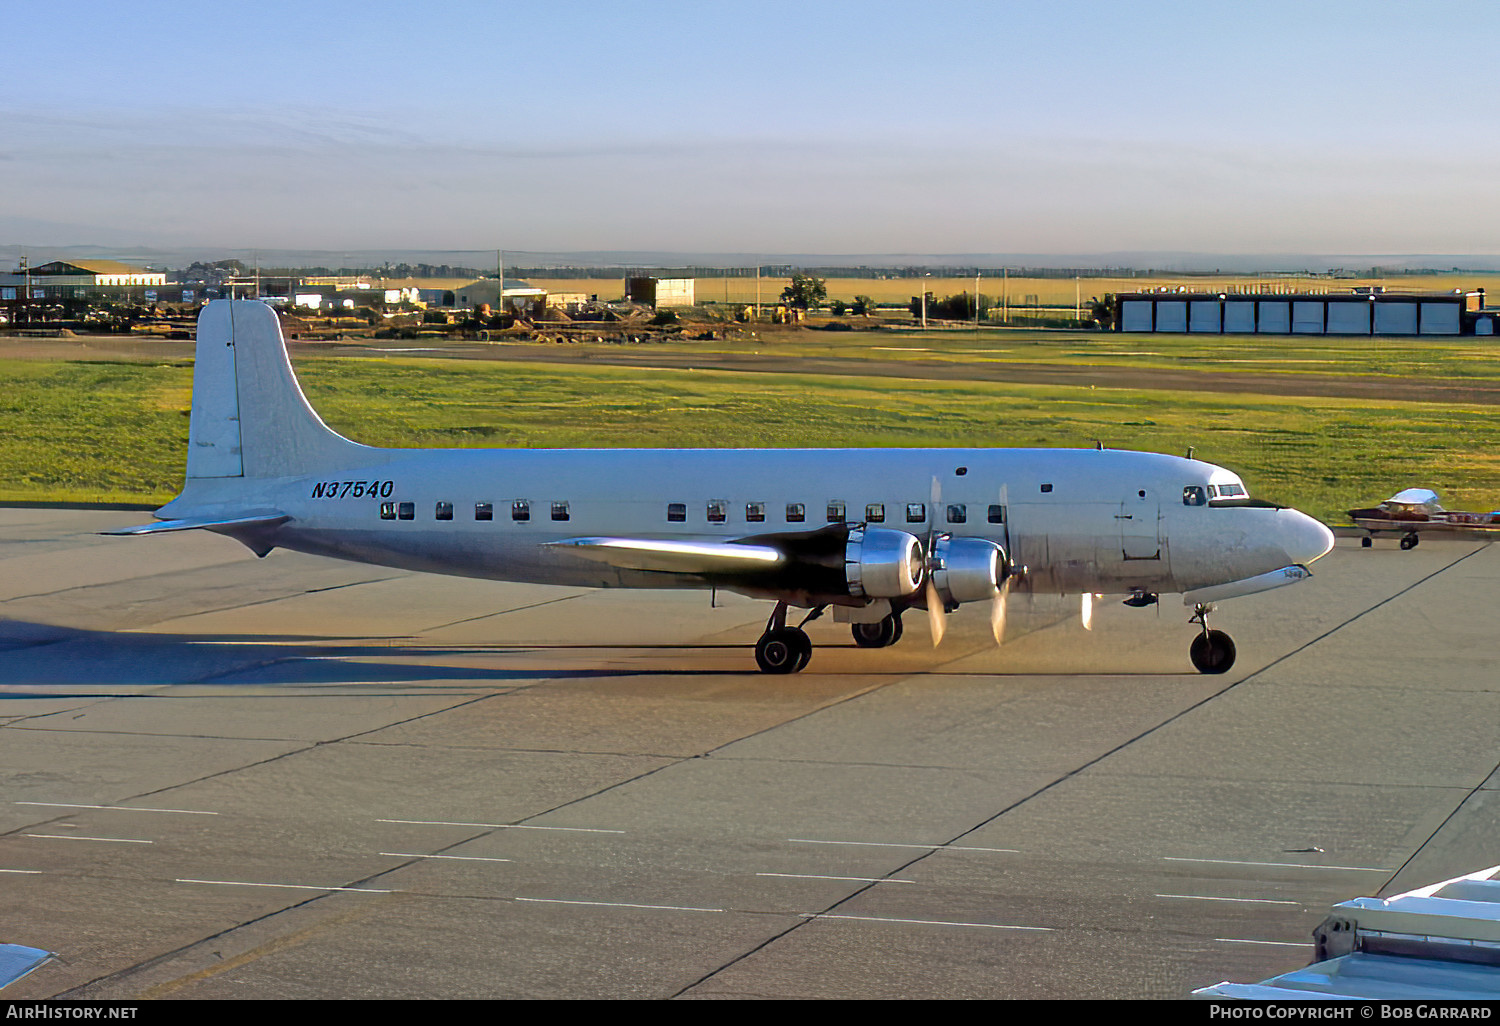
<point x="1212" y="651"/>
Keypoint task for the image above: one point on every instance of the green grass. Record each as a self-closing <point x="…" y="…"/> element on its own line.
<point x="1458" y="357"/>
<point x="118" y="432"/>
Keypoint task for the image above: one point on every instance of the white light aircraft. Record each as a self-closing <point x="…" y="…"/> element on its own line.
<point x="869" y="533"/>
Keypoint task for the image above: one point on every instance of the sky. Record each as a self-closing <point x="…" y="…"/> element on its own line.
<point x="759" y="127"/>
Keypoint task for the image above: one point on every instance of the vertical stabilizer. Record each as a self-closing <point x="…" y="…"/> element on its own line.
<point x="249" y="416"/>
<point x="214" y="427"/>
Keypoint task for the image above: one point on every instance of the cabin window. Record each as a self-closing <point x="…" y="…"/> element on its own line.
<point x="755" y="512"/>
<point x="795" y="513"/>
<point x="444" y="511"/>
<point x="387" y="511"/>
<point x="835" y="512"/>
<point x="997" y="514"/>
<point x="520" y="510"/>
<point x="406" y="510"/>
<point x="957" y="513"/>
<point x="875" y="513"/>
<point x="718" y="511"/>
<point x="676" y="512"/>
<point x="1046" y="488"/>
<point x="559" y="511"/>
<point x="916" y="512"/>
<point x="484" y="511"/>
<point x="1192" y="495"/>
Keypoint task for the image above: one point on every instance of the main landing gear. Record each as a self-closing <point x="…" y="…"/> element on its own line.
<point x="783" y="649"/>
<point x="1408" y="540"/>
<point x="1212" y="651"/>
<point x="883" y="632"/>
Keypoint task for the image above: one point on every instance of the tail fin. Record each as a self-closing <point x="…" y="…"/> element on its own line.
<point x="249" y="417"/>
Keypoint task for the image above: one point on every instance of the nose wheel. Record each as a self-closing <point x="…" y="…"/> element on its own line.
<point x="1212" y="651"/>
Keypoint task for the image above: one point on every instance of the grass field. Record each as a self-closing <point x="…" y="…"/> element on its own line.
<point x="77" y="431"/>
<point x="1452" y="357"/>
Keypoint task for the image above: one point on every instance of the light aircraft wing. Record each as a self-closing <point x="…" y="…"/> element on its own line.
<point x="707" y="558"/>
<point x="264" y="518"/>
<point x="1415" y="497"/>
<point x="16" y="960"/>
<point x="1436" y="943"/>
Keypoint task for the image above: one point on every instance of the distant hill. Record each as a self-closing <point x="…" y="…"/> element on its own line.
<point x="456" y="262"/>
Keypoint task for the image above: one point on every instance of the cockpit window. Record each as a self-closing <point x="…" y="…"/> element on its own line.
<point x="1193" y="495"/>
<point x="1228" y="494"/>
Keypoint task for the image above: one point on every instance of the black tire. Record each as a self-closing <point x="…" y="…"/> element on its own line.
<point x="786" y="650"/>
<point x="1212" y="652"/>
<point x="1409" y="541"/>
<point x="1365" y="543"/>
<point x="877" y="635"/>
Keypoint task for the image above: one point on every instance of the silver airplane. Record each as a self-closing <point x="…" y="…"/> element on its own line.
<point x="867" y="533"/>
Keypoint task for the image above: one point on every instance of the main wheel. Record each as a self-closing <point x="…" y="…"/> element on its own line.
<point x="1409" y="541"/>
<point x="785" y="650"/>
<point x="884" y="632"/>
<point x="1212" y="652"/>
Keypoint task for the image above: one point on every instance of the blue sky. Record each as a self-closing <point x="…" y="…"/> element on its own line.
<point x="1056" y="127"/>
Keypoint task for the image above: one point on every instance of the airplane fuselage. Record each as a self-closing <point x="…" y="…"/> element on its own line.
<point x="1104" y="521"/>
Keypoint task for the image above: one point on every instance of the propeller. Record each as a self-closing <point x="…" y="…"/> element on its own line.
<point x="999" y="603"/>
<point x="937" y="621"/>
<point x="936" y="611"/>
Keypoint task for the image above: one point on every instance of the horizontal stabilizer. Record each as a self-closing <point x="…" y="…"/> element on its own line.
<point x="682" y="557"/>
<point x="1249" y="586"/>
<point x="268" y="518"/>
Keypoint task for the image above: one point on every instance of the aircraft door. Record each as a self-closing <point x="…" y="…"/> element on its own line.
<point x="1139" y="520"/>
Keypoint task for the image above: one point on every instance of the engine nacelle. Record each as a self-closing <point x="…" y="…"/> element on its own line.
<point x="967" y="569"/>
<point x="880" y="563"/>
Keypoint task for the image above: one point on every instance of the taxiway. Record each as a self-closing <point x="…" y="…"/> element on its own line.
<point x="293" y="777"/>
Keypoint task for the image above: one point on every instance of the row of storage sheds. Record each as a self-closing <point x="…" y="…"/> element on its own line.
<point x="1356" y="313"/>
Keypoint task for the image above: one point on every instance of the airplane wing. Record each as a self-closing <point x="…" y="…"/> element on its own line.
<point x="815" y="567"/>
<point x="702" y="558"/>
<point x="16" y="960"/>
<point x="265" y="518"/>
<point x="1436" y="943"/>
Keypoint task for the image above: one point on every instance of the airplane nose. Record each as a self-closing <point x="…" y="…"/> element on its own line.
<point x="1305" y="539"/>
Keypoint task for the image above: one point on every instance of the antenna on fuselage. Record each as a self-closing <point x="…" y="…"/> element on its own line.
<point x="1190" y="452"/>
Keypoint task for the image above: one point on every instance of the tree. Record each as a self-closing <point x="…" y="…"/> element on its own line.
<point x="805" y="292"/>
<point x="1102" y="312"/>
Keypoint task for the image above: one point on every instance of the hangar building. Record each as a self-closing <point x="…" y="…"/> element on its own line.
<point x="1360" y="312"/>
